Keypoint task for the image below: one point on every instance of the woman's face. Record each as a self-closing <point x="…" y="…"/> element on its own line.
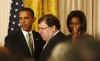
<point x="75" y="25"/>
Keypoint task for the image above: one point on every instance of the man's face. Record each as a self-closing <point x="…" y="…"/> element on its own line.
<point x="26" y="20"/>
<point x="45" y="31"/>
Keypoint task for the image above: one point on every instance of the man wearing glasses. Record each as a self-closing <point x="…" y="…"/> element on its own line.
<point x="49" y="29"/>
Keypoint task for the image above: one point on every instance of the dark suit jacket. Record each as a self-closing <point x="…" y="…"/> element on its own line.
<point x="59" y="37"/>
<point x="16" y="42"/>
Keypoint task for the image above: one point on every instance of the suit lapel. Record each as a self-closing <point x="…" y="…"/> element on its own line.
<point x="23" y="42"/>
<point x="53" y="41"/>
<point x="35" y="37"/>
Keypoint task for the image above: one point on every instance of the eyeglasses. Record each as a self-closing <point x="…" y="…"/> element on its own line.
<point x="42" y="28"/>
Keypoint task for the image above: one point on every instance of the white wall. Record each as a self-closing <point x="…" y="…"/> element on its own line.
<point x="4" y="19"/>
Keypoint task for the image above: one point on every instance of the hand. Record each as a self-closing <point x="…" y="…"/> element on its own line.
<point x="75" y="33"/>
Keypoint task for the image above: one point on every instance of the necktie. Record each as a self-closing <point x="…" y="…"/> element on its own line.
<point x="30" y="42"/>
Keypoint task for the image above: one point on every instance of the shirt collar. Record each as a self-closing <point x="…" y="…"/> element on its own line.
<point x="25" y="32"/>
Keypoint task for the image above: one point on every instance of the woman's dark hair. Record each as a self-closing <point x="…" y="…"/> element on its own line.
<point x="78" y="14"/>
<point x="51" y="20"/>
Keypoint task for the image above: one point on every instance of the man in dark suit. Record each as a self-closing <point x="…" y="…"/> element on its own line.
<point x="49" y="29"/>
<point x="24" y="42"/>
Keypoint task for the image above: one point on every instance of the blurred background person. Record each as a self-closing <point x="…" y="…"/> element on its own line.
<point x="73" y="52"/>
<point x="5" y="54"/>
<point x="61" y="52"/>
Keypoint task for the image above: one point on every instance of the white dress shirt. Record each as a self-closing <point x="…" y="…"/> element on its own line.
<point x="25" y="33"/>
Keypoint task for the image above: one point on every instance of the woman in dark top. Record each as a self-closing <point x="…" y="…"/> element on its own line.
<point x="77" y="26"/>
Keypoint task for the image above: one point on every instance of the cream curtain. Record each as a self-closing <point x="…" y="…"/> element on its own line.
<point x="4" y="19"/>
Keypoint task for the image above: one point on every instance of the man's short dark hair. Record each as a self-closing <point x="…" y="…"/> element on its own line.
<point x="27" y="9"/>
<point x="78" y="14"/>
<point x="51" y="20"/>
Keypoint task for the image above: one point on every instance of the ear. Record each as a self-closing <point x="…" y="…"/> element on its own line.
<point x="34" y="18"/>
<point x="53" y="28"/>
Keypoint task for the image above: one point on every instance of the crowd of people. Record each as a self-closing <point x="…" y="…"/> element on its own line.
<point x="50" y="44"/>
